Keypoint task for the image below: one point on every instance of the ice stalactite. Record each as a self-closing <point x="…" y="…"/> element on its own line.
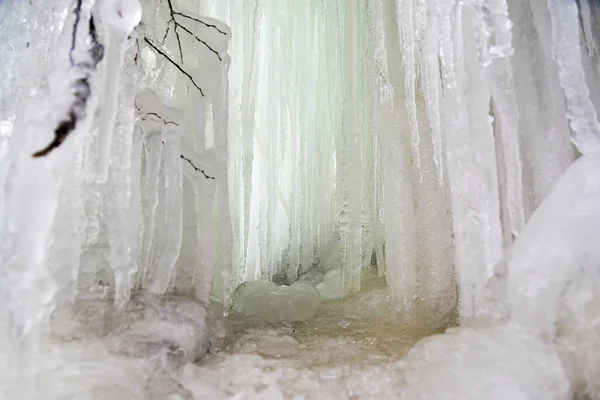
<point x="121" y="17"/>
<point x="118" y="216"/>
<point x="406" y="29"/>
<point x="432" y="88"/>
<point x="152" y="130"/>
<point x="168" y="236"/>
<point x="206" y="223"/>
<point x="494" y="33"/>
<point x="378" y="46"/>
<point x="163" y="189"/>
<point x="566" y="50"/>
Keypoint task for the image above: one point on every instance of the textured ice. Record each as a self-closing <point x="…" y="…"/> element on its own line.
<point x="495" y="363"/>
<point x="276" y="346"/>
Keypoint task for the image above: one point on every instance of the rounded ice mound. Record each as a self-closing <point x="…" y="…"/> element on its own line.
<point x="559" y="242"/>
<point x="497" y="363"/>
<point x="272" y="303"/>
<point x="331" y="288"/>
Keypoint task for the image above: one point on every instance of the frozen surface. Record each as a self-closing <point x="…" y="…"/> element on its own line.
<point x="272" y="303"/>
<point x="559" y="236"/>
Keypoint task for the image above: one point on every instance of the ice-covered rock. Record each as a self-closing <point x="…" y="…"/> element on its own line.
<point x="331" y="288"/>
<point x="578" y="334"/>
<point x="272" y="303"/>
<point x="492" y="363"/>
<point x="559" y="243"/>
<point x="277" y="346"/>
<point x="170" y="326"/>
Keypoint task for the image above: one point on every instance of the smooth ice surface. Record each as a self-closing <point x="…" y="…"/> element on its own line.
<point x="559" y="236"/>
<point x="272" y="303"/>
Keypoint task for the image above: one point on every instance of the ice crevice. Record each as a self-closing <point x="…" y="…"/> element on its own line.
<point x="299" y="199"/>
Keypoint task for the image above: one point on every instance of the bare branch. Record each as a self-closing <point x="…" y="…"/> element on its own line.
<point x="196" y="168"/>
<point x="201" y="22"/>
<point x="174" y="63"/>
<point x="176" y="25"/>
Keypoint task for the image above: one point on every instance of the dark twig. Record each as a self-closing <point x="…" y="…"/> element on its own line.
<point x="196" y="168"/>
<point x="201" y="41"/>
<point x="137" y="52"/>
<point x="153" y="114"/>
<point x="200" y="21"/>
<point x="176" y="25"/>
<point x="174" y="63"/>
<point x="175" y="28"/>
<point x="77" y="13"/>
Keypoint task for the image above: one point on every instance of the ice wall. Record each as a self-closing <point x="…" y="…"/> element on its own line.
<point x="431" y="129"/>
<point x="305" y="160"/>
<point x="494" y="90"/>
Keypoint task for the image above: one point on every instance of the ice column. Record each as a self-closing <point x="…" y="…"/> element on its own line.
<point x="120" y="17"/>
<point x="163" y="211"/>
<point x="119" y="218"/>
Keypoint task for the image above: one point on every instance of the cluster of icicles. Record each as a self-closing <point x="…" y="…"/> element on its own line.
<point x="99" y="209"/>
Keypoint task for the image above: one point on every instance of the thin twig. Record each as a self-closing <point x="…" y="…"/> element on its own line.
<point x="175" y="29"/>
<point x="174" y="63"/>
<point x="201" y="41"/>
<point x="200" y="21"/>
<point x="196" y="168"/>
<point x="176" y="25"/>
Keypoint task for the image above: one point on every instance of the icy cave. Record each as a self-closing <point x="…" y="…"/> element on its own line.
<point x="299" y="199"/>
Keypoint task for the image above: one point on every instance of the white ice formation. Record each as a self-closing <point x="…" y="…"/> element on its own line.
<point x="186" y="147"/>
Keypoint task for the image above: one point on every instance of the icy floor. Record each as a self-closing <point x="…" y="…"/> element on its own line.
<point x="325" y="358"/>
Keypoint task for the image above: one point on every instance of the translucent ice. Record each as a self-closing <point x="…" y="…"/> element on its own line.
<point x="272" y="303"/>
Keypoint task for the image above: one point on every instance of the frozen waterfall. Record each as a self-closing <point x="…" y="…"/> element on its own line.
<point x="428" y="163"/>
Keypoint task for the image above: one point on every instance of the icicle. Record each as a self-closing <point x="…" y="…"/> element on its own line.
<point x="432" y="89"/>
<point x="147" y="105"/>
<point x="135" y="211"/>
<point x="495" y="26"/>
<point x="119" y="219"/>
<point x="405" y="10"/>
<point x="169" y="218"/>
<point x="494" y="30"/>
<point x="249" y="107"/>
<point x="567" y="53"/>
<point x="120" y="17"/>
<point x="376" y="24"/>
